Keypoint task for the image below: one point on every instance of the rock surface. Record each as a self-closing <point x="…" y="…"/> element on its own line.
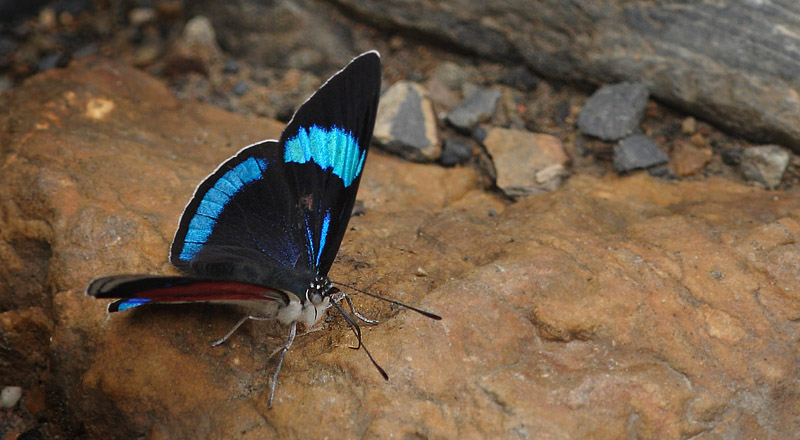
<point x="637" y="152"/>
<point x="689" y="158"/>
<point x="477" y="107"/>
<point x="455" y="151"/>
<point x="405" y="123"/>
<point x="614" y="111"/>
<point x="765" y="164"/>
<point x="733" y="63"/>
<point x="613" y="308"/>
<point x="525" y="162"/>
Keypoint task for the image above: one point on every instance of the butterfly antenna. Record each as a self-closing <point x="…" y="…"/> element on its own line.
<point x="357" y="331"/>
<point x="391" y="301"/>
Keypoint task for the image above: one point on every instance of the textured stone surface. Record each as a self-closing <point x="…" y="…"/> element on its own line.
<point x="614" y="111"/>
<point x="477" y="107"/>
<point x="299" y="35"/>
<point x="405" y="123"/>
<point x="765" y="164"/>
<point x="455" y="151"/>
<point x="689" y="158"/>
<point x="525" y="162"/>
<point x="733" y="63"/>
<point x="613" y="308"/>
<point x="637" y="152"/>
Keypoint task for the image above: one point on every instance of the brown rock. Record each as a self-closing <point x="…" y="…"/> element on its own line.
<point x="526" y="162"/>
<point x="196" y="50"/>
<point x="689" y="158"/>
<point x="615" y="308"/>
<point x="25" y="334"/>
<point x="689" y="125"/>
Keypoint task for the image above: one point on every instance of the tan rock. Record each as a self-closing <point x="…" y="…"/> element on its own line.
<point x="526" y="162"/>
<point x="689" y="158"/>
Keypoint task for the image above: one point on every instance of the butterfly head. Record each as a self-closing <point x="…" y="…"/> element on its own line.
<point x="319" y="290"/>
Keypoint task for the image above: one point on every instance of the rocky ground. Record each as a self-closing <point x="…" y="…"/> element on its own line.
<point x="577" y="304"/>
<point x="269" y="77"/>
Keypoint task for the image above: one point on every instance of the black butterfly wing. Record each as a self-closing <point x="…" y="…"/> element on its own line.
<point x="137" y="290"/>
<point x="332" y="131"/>
<point x="276" y="212"/>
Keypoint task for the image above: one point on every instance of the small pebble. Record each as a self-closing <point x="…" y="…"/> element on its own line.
<point x="478" y="107"/>
<point x="450" y="74"/>
<point x="732" y="156"/>
<point x="454" y="152"/>
<point x="141" y="16"/>
<point x="9" y="397"/>
<point x="765" y="164"/>
<point x="87" y="50"/>
<point x="240" y="88"/>
<point x="689" y="125"/>
<point x="200" y="31"/>
<point x="231" y="66"/>
<point x="50" y="60"/>
<point x="637" y="152"/>
<point x="614" y="111"/>
<point x="421" y="272"/>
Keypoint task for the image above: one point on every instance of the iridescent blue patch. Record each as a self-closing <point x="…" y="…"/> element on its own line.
<point x="332" y="148"/>
<point x="214" y="201"/>
<point x="131" y="303"/>
<point x="315" y="254"/>
<point x="325" y="224"/>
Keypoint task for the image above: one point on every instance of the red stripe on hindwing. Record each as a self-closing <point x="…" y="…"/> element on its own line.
<point x="209" y="291"/>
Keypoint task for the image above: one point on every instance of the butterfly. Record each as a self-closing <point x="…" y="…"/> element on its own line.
<point x="264" y="228"/>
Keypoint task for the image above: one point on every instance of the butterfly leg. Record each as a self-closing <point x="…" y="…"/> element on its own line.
<point x="236" y="327"/>
<point x="283" y="350"/>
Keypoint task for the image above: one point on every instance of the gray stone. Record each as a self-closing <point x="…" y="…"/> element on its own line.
<point x="50" y="60"/>
<point x="240" y="88"/>
<point x="614" y="111"/>
<point x="736" y="64"/>
<point x="765" y="164"/>
<point x="406" y="124"/>
<point x="451" y="75"/>
<point x="231" y="66"/>
<point x="478" y="107"/>
<point x="445" y="83"/>
<point x="732" y="156"/>
<point x="455" y="151"/>
<point x="637" y="152"/>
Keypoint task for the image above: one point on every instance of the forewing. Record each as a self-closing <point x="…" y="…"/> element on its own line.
<point x="285" y="205"/>
<point x="242" y="211"/>
<point x="325" y="147"/>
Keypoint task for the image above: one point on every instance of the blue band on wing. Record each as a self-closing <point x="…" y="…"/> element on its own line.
<point x="131" y="303"/>
<point x="325" y="224"/>
<point x="214" y="201"/>
<point x="329" y="148"/>
<point x="312" y="253"/>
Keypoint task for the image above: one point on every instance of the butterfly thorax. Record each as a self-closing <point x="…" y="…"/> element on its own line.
<point x="311" y="306"/>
